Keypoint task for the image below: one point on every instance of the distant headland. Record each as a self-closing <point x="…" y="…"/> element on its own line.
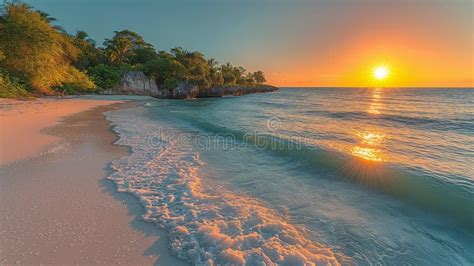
<point x="38" y="58"/>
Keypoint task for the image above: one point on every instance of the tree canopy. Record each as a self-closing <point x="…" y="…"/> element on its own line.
<point x="128" y="47"/>
<point x="37" y="52"/>
<point x="44" y="58"/>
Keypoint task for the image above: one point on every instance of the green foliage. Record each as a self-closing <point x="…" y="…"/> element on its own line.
<point x="164" y="68"/>
<point x="229" y="79"/>
<point x="134" y="38"/>
<point x="196" y="65"/>
<point x="143" y="55"/>
<point x="89" y="55"/>
<point x="105" y="76"/>
<point x="47" y="60"/>
<point x="193" y="67"/>
<point x="127" y="46"/>
<point x="170" y="83"/>
<point x="38" y="52"/>
<point x="232" y="75"/>
<point x="259" y="77"/>
<point x="70" y="88"/>
<point x="11" y="87"/>
<point x="249" y="79"/>
<point x="124" y="68"/>
<point x="216" y="78"/>
<point x="119" y="50"/>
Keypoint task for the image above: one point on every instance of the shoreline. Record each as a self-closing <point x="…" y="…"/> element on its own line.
<point x="22" y="138"/>
<point x="58" y="207"/>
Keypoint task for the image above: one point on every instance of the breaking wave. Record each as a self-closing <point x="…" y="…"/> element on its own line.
<point x="412" y="186"/>
<point x="207" y="224"/>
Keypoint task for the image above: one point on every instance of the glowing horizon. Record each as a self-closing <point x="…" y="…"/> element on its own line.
<point x="318" y="43"/>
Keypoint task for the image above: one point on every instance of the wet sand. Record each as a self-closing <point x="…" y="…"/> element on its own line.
<point x="58" y="208"/>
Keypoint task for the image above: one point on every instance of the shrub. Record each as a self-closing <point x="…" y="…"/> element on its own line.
<point x="14" y="88"/>
<point x="71" y="88"/>
<point x="105" y="76"/>
<point x="170" y="84"/>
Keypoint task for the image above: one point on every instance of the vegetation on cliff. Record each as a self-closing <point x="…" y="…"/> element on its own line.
<point x="39" y="58"/>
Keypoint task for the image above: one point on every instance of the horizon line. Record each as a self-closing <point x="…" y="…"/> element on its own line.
<point x="375" y="87"/>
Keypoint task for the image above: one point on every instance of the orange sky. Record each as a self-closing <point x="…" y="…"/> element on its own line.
<point x="300" y="42"/>
<point x="424" y="44"/>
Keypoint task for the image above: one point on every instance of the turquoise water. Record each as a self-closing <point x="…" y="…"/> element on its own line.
<point x="363" y="176"/>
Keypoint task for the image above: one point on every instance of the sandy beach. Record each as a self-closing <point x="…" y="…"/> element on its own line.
<point x="57" y="207"/>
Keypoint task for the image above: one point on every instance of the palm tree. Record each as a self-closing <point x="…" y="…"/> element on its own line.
<point x="259" y="77"/>
<point x="46" y="16"/>
<point x="212" y="63"/>
<point x="120" y="50"/>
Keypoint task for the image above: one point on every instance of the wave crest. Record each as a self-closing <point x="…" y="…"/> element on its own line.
<point x="206" y="223"/>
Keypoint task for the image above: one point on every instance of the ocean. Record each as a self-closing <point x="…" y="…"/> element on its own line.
<point x="306" y="175"/>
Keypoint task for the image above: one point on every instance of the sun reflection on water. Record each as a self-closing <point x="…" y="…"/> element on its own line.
<point x="375" y="104"/>
<point x="371" y="138"/>
<point x="367" y="148"/>
<point x="366" y="167"/>
<point x="370" y="154"/>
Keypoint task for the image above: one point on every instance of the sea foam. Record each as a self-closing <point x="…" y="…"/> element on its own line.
<point x="207" y="223"/>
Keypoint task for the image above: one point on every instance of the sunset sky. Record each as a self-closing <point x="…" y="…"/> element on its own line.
<point x="299" y="43"/>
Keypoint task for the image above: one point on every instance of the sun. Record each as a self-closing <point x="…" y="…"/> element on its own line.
<point x="381" y="72"/>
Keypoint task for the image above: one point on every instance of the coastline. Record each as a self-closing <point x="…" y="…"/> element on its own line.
<point x="22" y="137"/>
<point x="57" y="205"/>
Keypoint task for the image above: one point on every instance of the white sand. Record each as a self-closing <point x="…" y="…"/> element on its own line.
<point x="56" y="206"/>
<point x="22" y="121"/>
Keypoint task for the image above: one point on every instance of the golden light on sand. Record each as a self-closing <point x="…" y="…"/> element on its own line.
<point x="381" y="72"/>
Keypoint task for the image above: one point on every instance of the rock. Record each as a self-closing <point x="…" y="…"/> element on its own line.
<point x="185" y="90"/>
<point x="137" y="83"/>
<point x="235" y="90"/>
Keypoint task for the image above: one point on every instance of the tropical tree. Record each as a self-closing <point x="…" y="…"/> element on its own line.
<point x="259" y="77"/>
<point x="249" y="79"/>
<point x="227" y="74"/>
<point x="233" y="75"/>
<point x="239" y="73"/>
<point x="217" y="79"/>
<point x="124" y="45"/>
<point x="143" y="55"/>
<point x="165" y="68"/>
<point x="137" y="41"/>
<point x="37" y="52"/>
<point x="105" y="76"/>
<point x="46" y="16"/>
<point x="119" y="50"/>
<point x="215" y="75"/>
<point x="36" y="55"/>
<point x="197" y="66"/>
<point x="89" y="55"/>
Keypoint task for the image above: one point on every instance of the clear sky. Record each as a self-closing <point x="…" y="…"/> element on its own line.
<point x="299" y="42"/>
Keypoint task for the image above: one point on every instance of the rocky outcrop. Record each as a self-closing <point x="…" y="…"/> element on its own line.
<point x="182" y="91"/>
<point x="137" y="83"/>
<point x="235" y="90"/>
<point x="185" y="91"/>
